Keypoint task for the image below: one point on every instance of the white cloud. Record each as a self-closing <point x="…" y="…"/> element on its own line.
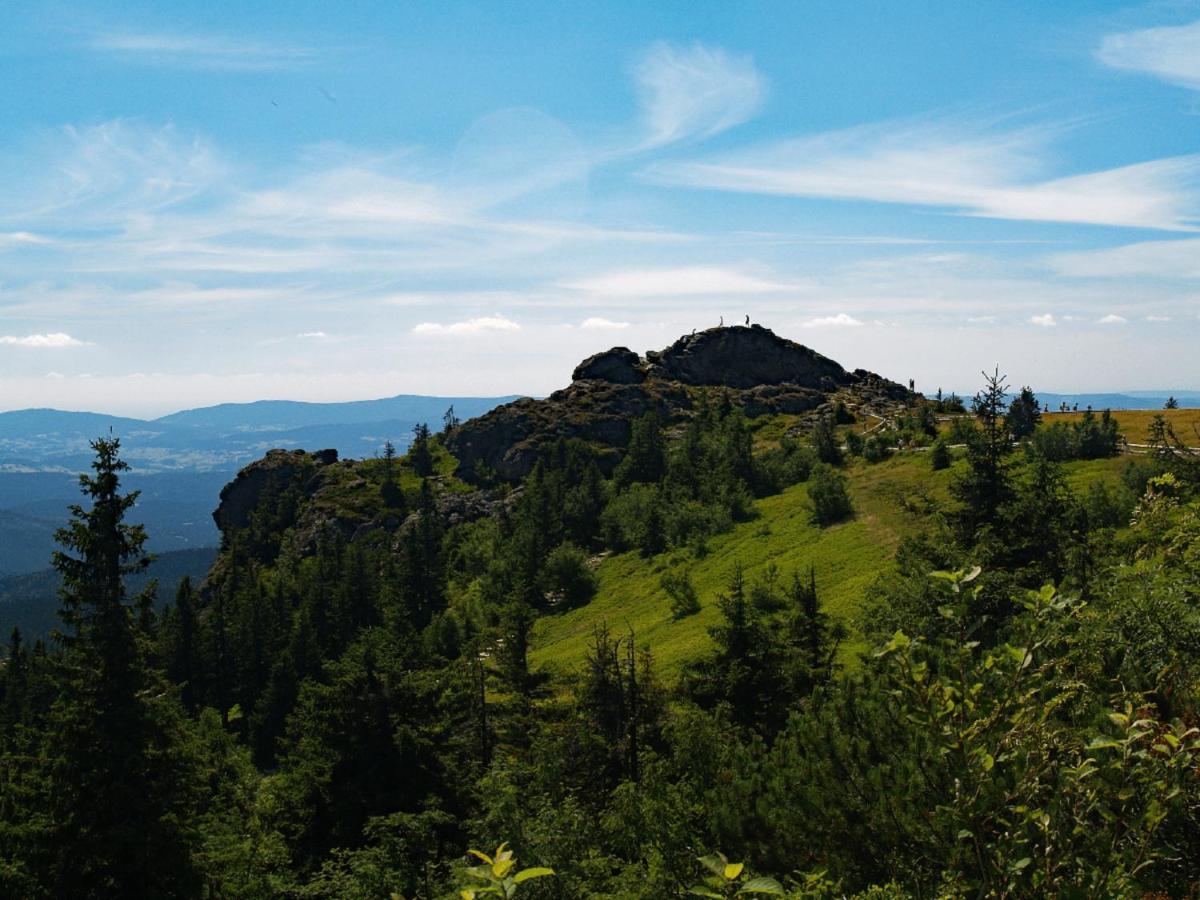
<point x="1046" y="320"/>
<point x="1158" y="318"/>
<point x="598" y="324"/>
<point x="52" y="340"/>
<point x="110" y="176"/>
<point x="695" y="92"/>
<point x="841" y="320"/>
<point x="201" y="51"/>
<point x="1153" y="259"/>
<point x="481" y="325"/>
<point x="21" y="238"/>
<point x="1170" y="53"/>
<point x="675" y="282"/>
<point x="315" y="335"/>
<point x="1112" y="319"/>
<point x="964" y="168"/>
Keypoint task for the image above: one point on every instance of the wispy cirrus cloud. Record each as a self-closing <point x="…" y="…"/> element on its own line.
<point x="1150" y="259"/>
<point x="51" y="341"/>
<point x="481" y="325"/>
<point x="22" y="239"/>
<point x="1171" y="53"/>
<point x="966" y="169"/>
<point x="695" y="92"/>
<point x="200" y="51"/>
<point x="105" y="175"/>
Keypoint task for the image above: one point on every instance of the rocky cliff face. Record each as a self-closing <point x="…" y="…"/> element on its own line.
<point x="757" y="370"/>
<point x="332" y="496"/>
<point x="762" y="372"/>
<point x="744" y="357"/>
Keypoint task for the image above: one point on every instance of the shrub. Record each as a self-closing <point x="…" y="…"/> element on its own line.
<point x="854" y="443"/>
<point x="825" y="441"/>
<point x="939" y="456"/>
<point x="566" y="574"/>
<point x="679" y="587"/>
<point x="624" y="521"/>
<point x="962" y="430"/>
<point x="827" y="489"/>
<point x="878" y="447"/>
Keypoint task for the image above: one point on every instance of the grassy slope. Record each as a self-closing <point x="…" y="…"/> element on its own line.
<point x="1135" y="423"/>
<point x="891" y="499"/>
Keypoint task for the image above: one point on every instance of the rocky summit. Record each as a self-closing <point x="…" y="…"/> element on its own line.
<point x="759" y="371"/>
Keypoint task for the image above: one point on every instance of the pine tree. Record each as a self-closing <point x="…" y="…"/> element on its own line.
<point x="985" y="486"/>
<point x="825" y="442"/>
<point x="646" y="456"/>
<point x="1024" y="414"/>
<point x="180" y="638"/>
<point x="419" y="454"/>
<point x="118" y="773"/>
<point x="389" y="490"/>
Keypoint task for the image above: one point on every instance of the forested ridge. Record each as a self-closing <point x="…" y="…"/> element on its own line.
<point x="347" y="705"/>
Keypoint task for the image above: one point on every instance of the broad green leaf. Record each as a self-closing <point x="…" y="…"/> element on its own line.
<point x="534" y="872"/>
<point x="714" y="864"/>
<point x="487" y="859"/>
<point x="732" y="871"/>
<point x="501" y="866"/>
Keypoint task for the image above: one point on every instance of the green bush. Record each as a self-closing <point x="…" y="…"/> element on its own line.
<point x="878" y="447"/>
<point x="567" y="577"/>
<point x="939" y="456"/>
<point x="678" y="586"/>
<point x="830" y="496"/>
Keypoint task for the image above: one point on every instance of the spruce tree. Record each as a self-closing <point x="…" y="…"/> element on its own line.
<point x="1024" y="414"/>
<point x="985" y="485"/>
<point x="419" y="454"/>
<point x="120" y="780"/>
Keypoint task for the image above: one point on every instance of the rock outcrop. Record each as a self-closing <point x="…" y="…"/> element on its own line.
<point x="745" y="357"/>
<point x="761" y="372"/>
<point x="620" y="365"/>
<point x="308" y="497"/>
<point x="278" y="470"/>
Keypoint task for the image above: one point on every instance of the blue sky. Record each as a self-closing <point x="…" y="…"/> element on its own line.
<point x="212" y="202"/>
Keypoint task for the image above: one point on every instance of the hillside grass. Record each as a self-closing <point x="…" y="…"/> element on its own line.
<point x="1135" y="423"/>
<point x="891" y="499"/>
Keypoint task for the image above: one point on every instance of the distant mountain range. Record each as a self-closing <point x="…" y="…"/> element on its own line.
<point x="1126" y="400"/>
<point x="30" y="601"/>
<point x="222" y="437"/>
<point x="1118" y="400"/>
<point x="181" y="461"/>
